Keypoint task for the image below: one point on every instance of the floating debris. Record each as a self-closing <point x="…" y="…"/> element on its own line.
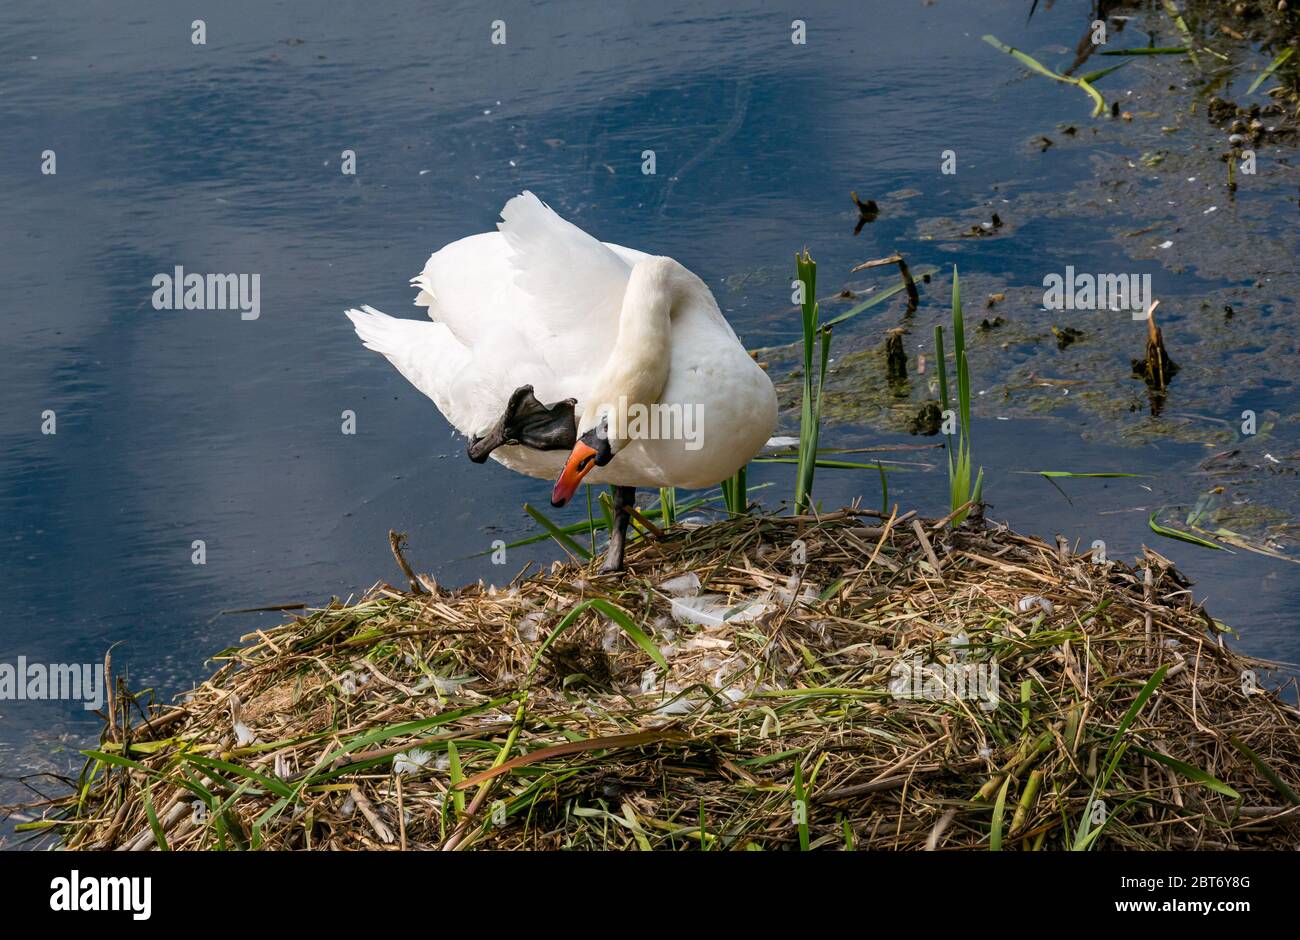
<point x="1155" y="367"/>
<point x="913" y="294"/>
<point x="895" y="357"/>
<point x="868" y="211"/>
<point x="1084" y="82"/>
<point x="928" y="420"/>
<point x="1066" y="337"/>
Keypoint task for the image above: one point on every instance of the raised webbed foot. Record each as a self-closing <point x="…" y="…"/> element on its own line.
<point x="528" y="422"/>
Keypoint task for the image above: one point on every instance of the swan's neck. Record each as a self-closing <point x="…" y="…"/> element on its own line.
<point x="637" y="368"/>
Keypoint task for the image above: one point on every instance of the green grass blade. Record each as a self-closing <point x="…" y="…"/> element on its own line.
<point x="591" y="522"/>
<point x="614" y="613"/>
<point x="735" y="493"/>
<point x="1101" y="73"/>
<point x="1191" y="773"/>
<point x="882" y="296"/>
<point x="1142" y="697"/>
<point x="575" y="528"/>
<point x="959" y="354"/>
<point x="1099" y="107"/>
<point x="1272" y="67"/>
<point x="1071" y="475"/>
<point x="1099" y="103"/>
<point x="455" y="775"/>
<point x="836" y="464"/>
<point x="556" y="533"/>
<point x="1269" y="773"/>
<point x="272" y="784"/>
<point x="1149" y="50"/>
<point x="999" y="810"/>
<point x="668" y="505"/>
<point x="1085" y="837"/>
<point x="1172" y="10"/>
<point x="958" y="323"/>
<point x="1180" y="535"/>
<point x="409" y="728"/>
<point x="159" y="836"/>
<point x="802" y="797"/>
<point x="1027" y="60"/>
<point x="963" y="394"/>
<point x="940" y="355"/>
<point x="809" y="416"/>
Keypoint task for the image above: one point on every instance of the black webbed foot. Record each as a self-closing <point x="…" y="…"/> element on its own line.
<point x="528" y="422"/>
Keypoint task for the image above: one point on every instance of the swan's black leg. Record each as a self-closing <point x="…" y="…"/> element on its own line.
<point x="624" y="500"/>
<point x="528" y="422"/>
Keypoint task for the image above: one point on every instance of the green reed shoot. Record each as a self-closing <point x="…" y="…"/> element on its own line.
<point x="814" y="381"/>
<point x="960" y="489"/>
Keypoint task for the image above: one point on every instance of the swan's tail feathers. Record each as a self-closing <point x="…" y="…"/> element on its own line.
<point x="426" y="353"/>
<point x="374" y="329"/>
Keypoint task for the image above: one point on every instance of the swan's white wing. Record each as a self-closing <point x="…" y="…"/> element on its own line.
<point x="630" y="256"/>
<point x="556" y="287"/>
<point x="574" y="283"/>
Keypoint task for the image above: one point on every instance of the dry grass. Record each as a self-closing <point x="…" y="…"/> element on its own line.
<point x="411" y="720"/>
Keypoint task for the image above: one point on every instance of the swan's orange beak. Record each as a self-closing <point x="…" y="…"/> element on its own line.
<point x="579" y="464"/>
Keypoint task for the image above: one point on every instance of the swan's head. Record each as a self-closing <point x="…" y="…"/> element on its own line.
<point x="594" y="448"/>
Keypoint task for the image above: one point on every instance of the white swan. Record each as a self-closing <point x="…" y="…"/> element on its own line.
<point x="563" y="357"/>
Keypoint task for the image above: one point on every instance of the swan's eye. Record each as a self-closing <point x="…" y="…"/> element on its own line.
<point x="598" y="440"/>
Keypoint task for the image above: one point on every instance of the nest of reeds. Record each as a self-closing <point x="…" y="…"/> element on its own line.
<point x="851" y="681"/>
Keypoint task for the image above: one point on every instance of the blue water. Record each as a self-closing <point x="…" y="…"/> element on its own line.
<point x="182" y="425"/>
